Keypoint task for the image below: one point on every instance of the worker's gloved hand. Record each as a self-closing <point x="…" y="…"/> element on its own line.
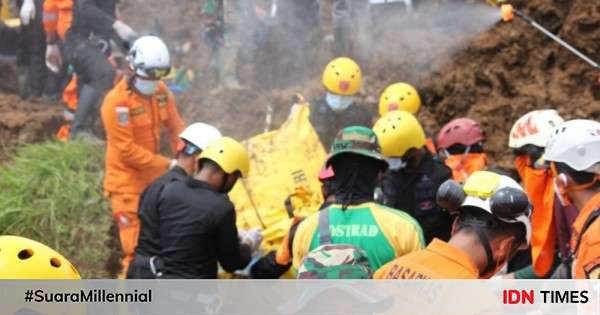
<point x="27" y="13"/>
<point x="252" y="238"/>
<point x="53" y="58"/>
<point x="124" y="31"/>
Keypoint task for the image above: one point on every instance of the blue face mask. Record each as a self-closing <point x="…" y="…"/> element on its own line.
<point x="145" y="87"/>
<point x="338" y="103"/>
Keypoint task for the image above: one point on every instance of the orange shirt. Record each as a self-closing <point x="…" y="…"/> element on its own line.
<point x="462" y="166"/>
<point x="58" y="16"/>
<point x="587" y="258"/>
<point x="133" y="123"/>
<point x="439" y="260"/>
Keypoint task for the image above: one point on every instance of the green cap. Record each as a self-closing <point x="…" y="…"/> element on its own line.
<point x="356" y="140"/>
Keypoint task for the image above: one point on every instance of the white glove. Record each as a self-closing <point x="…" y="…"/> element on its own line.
<point x="251" y="238"/>
<point x="53" y="58"/>
<point x="27" y="12"/>
<point x="173" y="163"/>
<point x="124" y="31"/>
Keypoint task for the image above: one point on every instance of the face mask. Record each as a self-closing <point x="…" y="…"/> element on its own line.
<point x="463" y="165"/>
<point x="563" y="198"/>
<point x="396" y="164"/>
<point x="338" y="103"/>
<point x="145" y="87"/>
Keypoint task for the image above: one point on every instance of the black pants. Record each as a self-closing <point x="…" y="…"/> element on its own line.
<point x="31" y="53"/>
<point x="95" y="77"/>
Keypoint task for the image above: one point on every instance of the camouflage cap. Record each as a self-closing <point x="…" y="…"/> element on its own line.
<point x="356" y="140"/>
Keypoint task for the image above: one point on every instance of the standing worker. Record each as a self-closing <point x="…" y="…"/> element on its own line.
<point x="133" y="113"/>
<point x="550" y="221"/>
<point x="574" y="153"/>
<point x="194" y="140"/>
<point x="342" y="80"/>
<point x="197" y="220"/>
<point x="357" y="224"/>
<point x="414" y="175"/>
<point x="492" y="225"/>
<point x="460" y="143"/>
<point x="87" y="46"/>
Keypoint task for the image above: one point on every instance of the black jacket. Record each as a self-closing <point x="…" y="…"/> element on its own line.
<point x="148" y="241"/>
<point x="197" y="230"/>
<point x="327" y="123"/>
<point x="92" y="17"/>
<point x="415" y="194"/>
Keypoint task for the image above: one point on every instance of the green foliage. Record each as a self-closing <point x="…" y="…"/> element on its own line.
<point x="52" y="192"/>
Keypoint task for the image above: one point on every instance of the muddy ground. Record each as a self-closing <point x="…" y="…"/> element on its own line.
<point x="493" y="77"/>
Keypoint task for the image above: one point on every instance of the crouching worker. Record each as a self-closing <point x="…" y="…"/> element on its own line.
<point x="197" y="221"/>
<point x="492" y="225"/>
<point x="194" y="140"/>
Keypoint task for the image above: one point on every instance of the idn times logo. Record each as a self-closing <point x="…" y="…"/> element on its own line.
<point x="512" y="296"/>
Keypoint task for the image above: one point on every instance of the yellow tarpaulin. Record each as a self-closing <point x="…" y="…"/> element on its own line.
<point x="284" y="168"/>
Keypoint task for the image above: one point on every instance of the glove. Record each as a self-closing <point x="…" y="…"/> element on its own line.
<point x="173" y="163"/>
<point x="53" y="58"/>
<point x="124" y="31"/>
<point x="252" y="238"/>
<point x="27" y="12"/>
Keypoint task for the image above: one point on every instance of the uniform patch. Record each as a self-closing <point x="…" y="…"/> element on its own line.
<point x="123" y="115"/>
<point x="162" y="100"/>
<point x="138" y="110"/>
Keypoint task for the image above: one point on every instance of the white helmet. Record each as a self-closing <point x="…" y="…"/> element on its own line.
<point x="200" y="134"/>
<point x="149" y="58"/>
<point x="534" y="128"/>
<point x="577" y="144"/>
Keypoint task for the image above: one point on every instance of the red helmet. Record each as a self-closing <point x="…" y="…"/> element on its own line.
<point x="463" y="131"/>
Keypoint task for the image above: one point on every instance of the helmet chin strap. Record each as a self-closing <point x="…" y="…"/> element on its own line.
<point x="485" y="242"/>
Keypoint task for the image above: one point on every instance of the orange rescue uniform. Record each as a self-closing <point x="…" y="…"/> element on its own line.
<point x="464" y="165"/>
<point x="587" y="257"/>
<point x="133" y="126"/>
<point x="540" y="190"/>
<point x="439" y="260"/>
<point x="58" y="16"/>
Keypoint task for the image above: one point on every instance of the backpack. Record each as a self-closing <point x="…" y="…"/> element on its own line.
<point x="334" y="261"/>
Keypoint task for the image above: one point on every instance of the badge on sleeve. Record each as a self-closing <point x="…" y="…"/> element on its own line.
<point x="123" y="115"/>
<point x="592" y="270"/>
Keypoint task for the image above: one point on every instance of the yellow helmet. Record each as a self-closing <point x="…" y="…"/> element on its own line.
<point x="22" y="258"/>
<point x="229" y="154"/>
<point x="342" y="76"/>
<point x="401" y="96"/>
<point x="398" y="132"/>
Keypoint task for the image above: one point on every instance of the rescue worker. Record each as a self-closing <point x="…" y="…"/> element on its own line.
<point x="414" y="175"/>
<point x="460" y="146"/>
<point x="403" y="96"/>
<point x="351" y="23"/>
<point x="355" y="219"/>
<point x="194" y="139"/>
<point x="342" y="79"/>
<point x="197" y="221"/>
<point x="32" y="51"/>
<point x="574" y="153"/>
<point x="225" y="23"/>
<point x="551" y="223"/>
<point x="87" y="38"/>
<point x="133" y="113"/>
<point x="491" y="226"/>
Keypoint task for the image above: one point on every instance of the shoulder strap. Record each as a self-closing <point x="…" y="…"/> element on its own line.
<point x="324" y="234"/>
<point x="588" y="222"/>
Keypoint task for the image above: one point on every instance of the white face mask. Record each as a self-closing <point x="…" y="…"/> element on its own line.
<point x="396" y="164"/>
<point x="146" y="87"/>
<point x="338" y="103"/>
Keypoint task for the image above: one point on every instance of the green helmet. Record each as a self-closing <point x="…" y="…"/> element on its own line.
<point x="356" y="140"/>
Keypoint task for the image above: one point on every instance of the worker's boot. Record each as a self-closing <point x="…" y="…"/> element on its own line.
<point x="87" y="106"/>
